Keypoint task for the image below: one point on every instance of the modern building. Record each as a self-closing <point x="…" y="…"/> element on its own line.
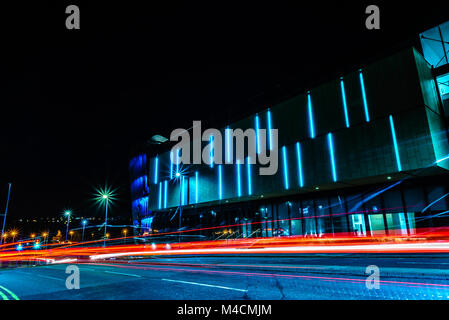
<point x="367" y="153"/>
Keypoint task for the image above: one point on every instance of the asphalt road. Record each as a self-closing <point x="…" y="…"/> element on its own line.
<point x="207" y="278"/>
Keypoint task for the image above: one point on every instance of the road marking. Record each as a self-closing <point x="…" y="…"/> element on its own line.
<point x="12" y="294"/>
<point x="40" y="275"/>
<point x="4" y="297"/>
<point x="125" y="274"/>
<point x="205" y="285"/>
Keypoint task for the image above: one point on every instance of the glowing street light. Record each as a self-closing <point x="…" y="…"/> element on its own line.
<point x="84" y="222"/>
<point x="105" y="196"/>
<point x="124" y="231"/>
<point x="71" y="234"/>
<point x="45" y="236"/>
<point x="67" y="214"/>
<point x="13" y="234"/>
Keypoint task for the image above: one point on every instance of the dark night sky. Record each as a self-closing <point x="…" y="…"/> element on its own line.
<point x="73" y="103"/>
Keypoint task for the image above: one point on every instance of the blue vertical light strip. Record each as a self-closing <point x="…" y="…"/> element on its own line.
<point x="345" y="105"/>
<point x="395" y="144"/>
<point x="156" y="169"/>
<point x="171" y="164"/>
<point x="365" y="103"/>
<point x="256" y="120"/>
<point x="228" y="145"/>
<point x="248" y="171"/>
<point x="165" y="194"/>
<point x="196" y="187"/>
<point x="177" y="160"/>
<point x="270" y="143"/>
<point x="310" y="111"/>
<point x="182" y="190"/>
<point x="160" y="195"/>
<point x="239" y="181"/>
<point x="330" y="143"/>
<point x="299" y="159"/>
<point x="284" y="159"/>
<point x="220" y="183"/>
<point x="211" y="139"/>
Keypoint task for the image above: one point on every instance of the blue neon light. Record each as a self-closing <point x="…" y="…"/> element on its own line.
<point x="196" y="187"/>
<point x="248" y="168"/>
<point x="165" y="194"/>
<point x="270" y="144"/>
<point x="395" y="143"/>
<point x="299" y="159"/>
<point x="156" y="169"/>
<point x="177" y="161"/>
<point x="345" y="106"/>
<point x="171" y="164"/>
<point x="160" y="195"/>
<point x="228" y="145"/>
<point x="256" y="120"/>
<point x="310" y="110"/>
<point x="182" y="190"/>
<point x="330" y="141"/>
<point x="239" y="182"/>
<point x="211" y="139"/>
<point x="220" y="185"/>
<point x="284" y="158"/>
<point x="365" y="103"/>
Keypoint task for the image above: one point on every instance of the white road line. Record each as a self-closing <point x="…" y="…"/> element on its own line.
<point x="40" y="275"/>
<point x="205" y="285"/>
<point x="124" y="274"/>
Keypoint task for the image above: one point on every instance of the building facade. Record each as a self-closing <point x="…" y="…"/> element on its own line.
<point x="365" y="154"/>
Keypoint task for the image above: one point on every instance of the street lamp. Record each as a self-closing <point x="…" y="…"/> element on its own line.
<point x="13" y="234"/>
<point x="84" y="227"/>
<point x="71" y="235"/>
<point x="45" y="236"/>
<point x="105" y="198"/>
<point x="67" y="213"/>
<point x="105" y="195"/>
<point x="124" y="231"/>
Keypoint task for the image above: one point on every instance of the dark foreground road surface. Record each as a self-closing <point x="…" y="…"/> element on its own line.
<point x="336" y="276"/>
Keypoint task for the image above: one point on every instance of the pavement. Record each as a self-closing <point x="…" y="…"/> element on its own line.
<point x="299" y="277"/>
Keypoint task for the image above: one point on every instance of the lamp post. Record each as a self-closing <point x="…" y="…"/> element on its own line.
<point x="84" y="227"/>
<point x="105" y="197"/>
<point x="67" y="213"/>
